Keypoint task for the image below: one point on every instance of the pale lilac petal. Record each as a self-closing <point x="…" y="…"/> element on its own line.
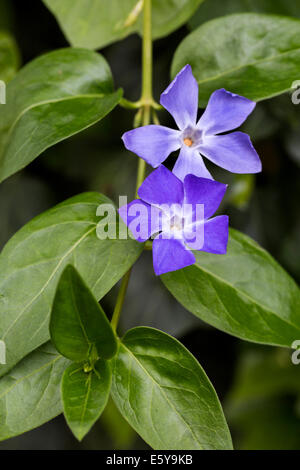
<point x="161" y="187"/>
<point x="142" y="219"/>
<point x="204" y="191"/>
<point x="170" y="255"/>
<point x="190" y="162"/>
<point x="234" y="152"/>
<point x="181" y="98"/>
<point x="216" y="235"/>
<point x="225" y="111"/>
<point x="152" y="143"/>
<point x="193" y="235"/>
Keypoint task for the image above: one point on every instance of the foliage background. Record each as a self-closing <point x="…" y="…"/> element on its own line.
<point x="258" y="386"/>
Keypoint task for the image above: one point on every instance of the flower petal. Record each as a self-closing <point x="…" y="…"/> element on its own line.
<point x="142" y="219"/>
<point x="225" y="111"/>
<point x="181" y="98"/>
<point x="161" y="187"/>
<point x="170" y="255"/>
<point x="190" y="162"/>
<point x="152" y="143"/>
<point x="204" y="191"/>
<point x="234" y="152"/>
<point x="216" y="235"/>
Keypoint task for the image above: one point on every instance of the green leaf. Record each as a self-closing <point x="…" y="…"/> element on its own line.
<point x="257" y="56"/>
<point x="165" y="395"/>
<point x="95" y="24"/>
<point x="50" y="99"/>
<point x="214" y="8"/>
<point x="85" y="396"/>
<point x="244" y="293"/>
<point x="9" y="56"/>
<point x="33" y="260"/>
<point x="169" y="15"/>
<point x="78" y="323"/>
<point x="30" y="392"/>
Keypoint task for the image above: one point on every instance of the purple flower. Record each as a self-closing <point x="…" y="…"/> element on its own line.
<point x="177" y="215"/>
<point x="225" y="111"/>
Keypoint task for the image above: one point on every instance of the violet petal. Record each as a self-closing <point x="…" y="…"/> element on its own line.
<point x="170" y="255"/>
<point x="225" y="111"/>
<point x="234" y="152"/>
<point x="181" y="98"/>
<point x="152" y="143"/>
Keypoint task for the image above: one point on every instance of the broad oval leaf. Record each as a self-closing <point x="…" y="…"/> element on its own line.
<point x="30" y="392"/>
<point x="257" y="56"/>
<point x="85" y="395"/>
<point x="214" y="8"/>
<point x="169" y="15"/>
<point x="33" y="260"/>
<point x="9" y="56"/>
<point x="52" y="98"/>
<point x="78" y="323"/>
<point x="95" y="24"/>
<point x="165" y="395"/>
<point x="244" y="293"/>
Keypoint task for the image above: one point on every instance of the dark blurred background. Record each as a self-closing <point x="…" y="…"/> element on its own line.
<point x="258" y="386"/>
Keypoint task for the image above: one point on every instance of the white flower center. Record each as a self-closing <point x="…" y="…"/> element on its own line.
<point x="176" y="223"/>
<point x="192" y="137"/>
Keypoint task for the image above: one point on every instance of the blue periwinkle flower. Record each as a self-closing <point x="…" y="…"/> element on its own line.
<point x="225" y="111"/>
<point x="161" y="214"/>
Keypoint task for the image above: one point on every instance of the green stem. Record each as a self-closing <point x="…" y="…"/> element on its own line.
<point x="120" y="301"/>
<point x="124" y="103"/>
<point x="147" y="63"/>
<point x="155" y="118"/>
<point x="148" y="246"/>
<point x="147" y="72"/>
<point x="147" y="53"/>
<point x="127" y="104"/>
<point x="142" y="164"/>
<point x="146" y="104"/>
